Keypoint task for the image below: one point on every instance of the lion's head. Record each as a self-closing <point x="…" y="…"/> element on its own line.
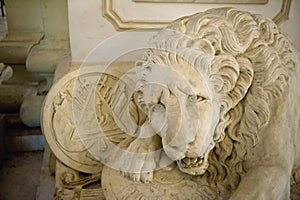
<point x="208" y="85"/>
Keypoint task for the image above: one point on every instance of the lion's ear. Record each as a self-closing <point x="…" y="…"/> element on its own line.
<point x="243" y="83"/>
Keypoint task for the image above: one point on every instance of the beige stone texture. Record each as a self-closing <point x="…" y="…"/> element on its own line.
<point x="210" y="112"/>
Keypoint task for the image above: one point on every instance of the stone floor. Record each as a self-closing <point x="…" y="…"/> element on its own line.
<point x="19" y="175"/>
<point x="24" y="171"/>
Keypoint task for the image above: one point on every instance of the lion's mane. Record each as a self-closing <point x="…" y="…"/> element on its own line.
<point x="247" y="62"/>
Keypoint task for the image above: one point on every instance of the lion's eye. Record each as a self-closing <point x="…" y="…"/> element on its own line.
<point x="195" y="98"/>
<point x="158" y="108"/>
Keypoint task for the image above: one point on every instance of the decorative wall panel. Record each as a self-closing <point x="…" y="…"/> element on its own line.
<point x="207" y="1"/>
<point x="131" y="14"/>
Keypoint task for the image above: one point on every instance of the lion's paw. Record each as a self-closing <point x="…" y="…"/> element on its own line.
<point x="140" y="159"/>
<point x="144" y="177"/>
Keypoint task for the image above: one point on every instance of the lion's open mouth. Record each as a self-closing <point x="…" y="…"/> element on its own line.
<point x="193" y="166"/>
<point x="191" y="162"/>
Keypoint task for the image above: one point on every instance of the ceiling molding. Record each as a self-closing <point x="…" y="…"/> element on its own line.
<point x="121" y="24"/>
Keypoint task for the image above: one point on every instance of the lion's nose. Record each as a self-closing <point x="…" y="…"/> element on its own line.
<point x="194" y="148"/>
<point x="191" y="154"/>
<point x="193" y="151"/>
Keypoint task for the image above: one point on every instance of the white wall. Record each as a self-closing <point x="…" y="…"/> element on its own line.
<point x="88" y="27"/>
<point x="292" y="26"/>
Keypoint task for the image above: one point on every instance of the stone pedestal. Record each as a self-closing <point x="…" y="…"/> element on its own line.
<point x="71" y="184"/>
<point x="38" y="41"/>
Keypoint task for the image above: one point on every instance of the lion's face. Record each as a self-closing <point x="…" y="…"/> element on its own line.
<point x="183" y="112"/>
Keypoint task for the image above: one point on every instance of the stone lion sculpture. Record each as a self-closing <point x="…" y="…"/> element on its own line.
<point x="220" y="96"/>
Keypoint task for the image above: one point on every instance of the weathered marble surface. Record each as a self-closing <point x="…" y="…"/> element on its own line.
<point x="214" y="114"/>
